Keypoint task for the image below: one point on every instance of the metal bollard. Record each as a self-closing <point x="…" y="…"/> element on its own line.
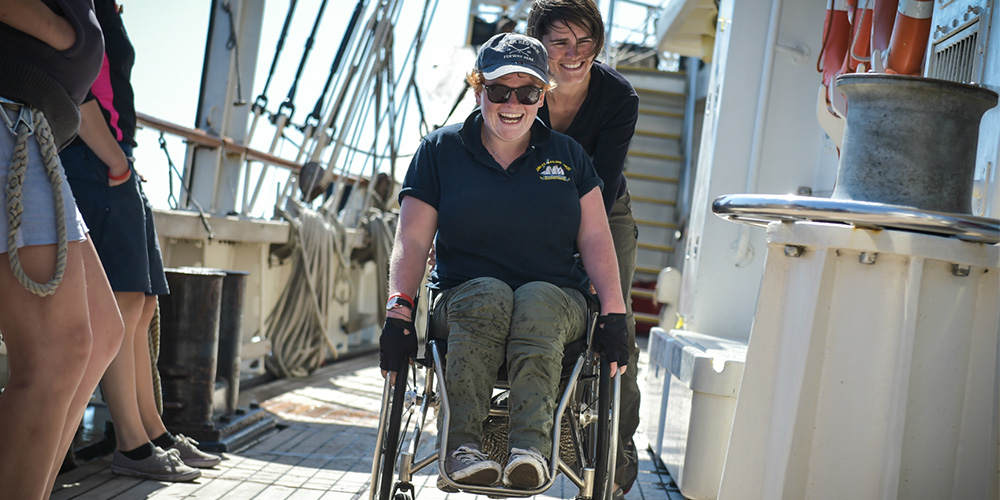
<point x="189" y="340"/>
<point x="230" y="336"/>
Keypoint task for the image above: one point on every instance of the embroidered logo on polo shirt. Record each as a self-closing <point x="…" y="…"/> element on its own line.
<point x="553" y="170"/>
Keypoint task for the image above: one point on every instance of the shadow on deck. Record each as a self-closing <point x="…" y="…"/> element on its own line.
<point x="322" y="450"/>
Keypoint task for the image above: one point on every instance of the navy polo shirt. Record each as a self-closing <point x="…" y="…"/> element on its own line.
<point x="517" y="225"/>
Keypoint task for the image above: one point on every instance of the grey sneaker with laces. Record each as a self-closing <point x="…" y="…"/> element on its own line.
<point x="160" y="466"/>
<point x="468" y="465"/>
<point x="191" y="455"/>
<point x="526" y="469"/>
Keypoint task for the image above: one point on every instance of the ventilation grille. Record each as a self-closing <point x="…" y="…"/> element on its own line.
<point x="958" y="58"/>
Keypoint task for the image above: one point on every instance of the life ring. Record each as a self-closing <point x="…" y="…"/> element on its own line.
<point x="910" y="31"/>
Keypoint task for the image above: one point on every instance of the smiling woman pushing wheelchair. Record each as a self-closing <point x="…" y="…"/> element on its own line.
<point x="508" y="204"/>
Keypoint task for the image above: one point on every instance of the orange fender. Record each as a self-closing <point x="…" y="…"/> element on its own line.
<point x="836" y="35"/>
<point x="909" y="37"/>
<point x="883" y="19"/>
<point x="860" y="14"/>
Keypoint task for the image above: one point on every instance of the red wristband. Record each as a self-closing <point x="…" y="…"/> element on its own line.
<point x="403" y="295"/>
<point x="119" y="177"/>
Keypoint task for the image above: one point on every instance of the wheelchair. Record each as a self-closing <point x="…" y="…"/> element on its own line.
<point x="584" y="435"/>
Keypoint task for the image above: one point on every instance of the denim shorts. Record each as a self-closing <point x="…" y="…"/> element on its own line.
<point x="120" y="221"/>
<point x="38" y="219"/>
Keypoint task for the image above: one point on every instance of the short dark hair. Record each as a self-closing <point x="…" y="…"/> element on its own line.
<point x="546" y="13"/>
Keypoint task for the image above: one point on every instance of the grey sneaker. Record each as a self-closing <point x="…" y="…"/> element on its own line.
<point x="160" y="466"/>
<point x="468" y="465"/>
<point x="525" y="470"/>
<point x="191" y="455"/>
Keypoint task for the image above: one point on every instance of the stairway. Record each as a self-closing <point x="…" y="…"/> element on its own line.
<point x="653" y="169"/>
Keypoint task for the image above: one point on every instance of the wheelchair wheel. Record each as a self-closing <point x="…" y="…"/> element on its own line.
<point x="598" y="434"/>
<point x="604" y="466"/>
<point x="387" y="446"/>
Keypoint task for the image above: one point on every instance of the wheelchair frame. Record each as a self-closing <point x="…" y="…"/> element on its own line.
<point x="595" y="438"/>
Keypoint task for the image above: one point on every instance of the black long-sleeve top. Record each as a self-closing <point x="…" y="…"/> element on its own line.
<point x="604" y="126"/>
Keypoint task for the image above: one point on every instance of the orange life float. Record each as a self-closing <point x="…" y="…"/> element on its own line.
<point x="910" y="31"/>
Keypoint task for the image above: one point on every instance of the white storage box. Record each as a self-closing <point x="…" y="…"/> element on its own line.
<point x="691" y="411"/>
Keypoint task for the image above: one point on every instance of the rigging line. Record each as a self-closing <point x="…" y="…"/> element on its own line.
<point x="359" y="57"/>
<point x="370" y="65"/>
<point x="231" y="44"/>
<point x="355" y="149"/>
<point x="415" y="49"/>
<point x="261" y="102"/>
<point x="288" y="103"/>
<point x="172" y="200"/>
<point x="313" y="119"/>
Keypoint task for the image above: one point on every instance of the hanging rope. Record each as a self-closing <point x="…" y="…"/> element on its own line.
<point x="172" y="200"/>
<point x="381" y="228"/>
<point x="32" y="122"/>
<point x="297" y="326"/>
<point x="234" y="46"/>
<point x="154" y="356"/>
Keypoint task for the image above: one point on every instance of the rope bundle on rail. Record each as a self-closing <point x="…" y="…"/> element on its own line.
<point x="298" y="325"/>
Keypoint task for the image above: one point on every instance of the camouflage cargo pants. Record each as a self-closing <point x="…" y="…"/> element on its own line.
<point x="487" y="324"/>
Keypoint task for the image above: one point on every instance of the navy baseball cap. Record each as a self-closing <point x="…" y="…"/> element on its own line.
<point x="508" y="53"/>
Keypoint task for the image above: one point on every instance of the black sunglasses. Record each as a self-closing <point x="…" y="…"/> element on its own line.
<point x="499" y="94"/>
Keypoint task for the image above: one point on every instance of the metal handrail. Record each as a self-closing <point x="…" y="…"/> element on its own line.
<point x="761" y="209"/>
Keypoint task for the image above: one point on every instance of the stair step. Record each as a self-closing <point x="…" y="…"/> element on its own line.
<point x="644" y="293"/>
<point x="656" y="247"/>
<point x="646" y="318"/>
<point x="657" y="112"/>
<point x="662" y="135"/>
<point x="655" y="156"/>
<point x="656" y="223"/>
<point x="647" y="270"/>
<point x="650" y="177"/>
<point x="643" y="78"/>
<point x="656" y="201"/>
<point x="657" y="92"/>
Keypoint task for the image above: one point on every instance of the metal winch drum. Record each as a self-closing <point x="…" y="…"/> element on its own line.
<point x="910" y="141"/>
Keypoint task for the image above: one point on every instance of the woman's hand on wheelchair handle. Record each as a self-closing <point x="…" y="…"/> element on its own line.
<point x="611" y="340"/>
<point x="397" y="344"/>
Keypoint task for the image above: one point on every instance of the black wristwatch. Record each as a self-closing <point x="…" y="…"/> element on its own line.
<point x="399" y="300"/>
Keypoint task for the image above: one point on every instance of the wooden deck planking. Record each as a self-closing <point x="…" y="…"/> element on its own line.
<point x="323" y="451"/>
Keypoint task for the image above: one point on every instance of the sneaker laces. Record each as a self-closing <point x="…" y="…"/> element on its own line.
<point x="174" y="456"/>
<point x="468" y="455"/>
<point x="181" y="438"/>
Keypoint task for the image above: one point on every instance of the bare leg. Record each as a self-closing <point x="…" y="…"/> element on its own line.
<point x="144" y="373"/>
<point x="51" y="356"/>
<point x="119" y="384"/>
<point x="106" y="327"/>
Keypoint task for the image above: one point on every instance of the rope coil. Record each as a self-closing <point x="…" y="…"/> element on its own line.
<point x="32" y="122"/>
<point x="297" y="326"/>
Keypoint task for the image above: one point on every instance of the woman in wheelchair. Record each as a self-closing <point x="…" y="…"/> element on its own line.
<point x="508" y="205"/>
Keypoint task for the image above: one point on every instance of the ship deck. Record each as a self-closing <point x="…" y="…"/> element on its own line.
<point x="321" y="450"/>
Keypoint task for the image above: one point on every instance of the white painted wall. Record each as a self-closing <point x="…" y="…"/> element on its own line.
<point x="718" y="294"/>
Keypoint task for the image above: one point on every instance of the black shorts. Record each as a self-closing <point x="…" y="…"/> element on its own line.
<point x="120" y="221"/>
